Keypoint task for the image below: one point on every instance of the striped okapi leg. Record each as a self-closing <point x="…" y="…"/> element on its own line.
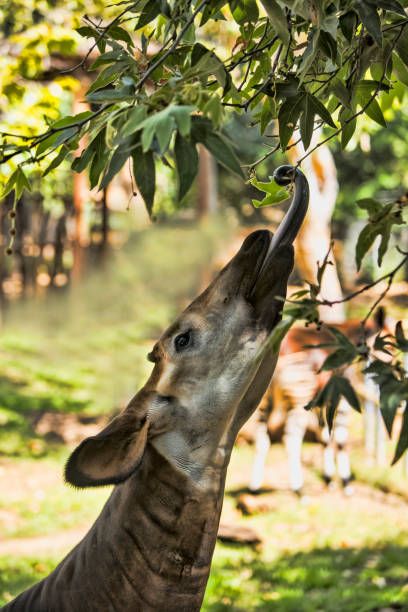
<point x="262" y="444"/>
<point x="341" y="436"/>
<point x="329" y="463"/>
<point x="335" y="453"/>
<point x="295" y="429"/>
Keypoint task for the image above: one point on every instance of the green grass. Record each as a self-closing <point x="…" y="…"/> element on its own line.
<point x="17" y="574"/>
<point x="45" y="505"/>
<point x="324" y="579"/>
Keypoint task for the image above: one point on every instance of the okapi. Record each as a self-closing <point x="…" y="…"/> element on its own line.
<point x="151" y="547"/>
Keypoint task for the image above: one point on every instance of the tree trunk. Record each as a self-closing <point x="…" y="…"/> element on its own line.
<point x="81" y="194"/>
<point x="207" y="184"/>
<point x="314" y="237"/>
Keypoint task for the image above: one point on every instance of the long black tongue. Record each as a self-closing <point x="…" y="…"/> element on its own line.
<point x="292" y="221"/>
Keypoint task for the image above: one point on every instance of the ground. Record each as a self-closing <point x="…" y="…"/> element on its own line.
<point x="326" y="552"/>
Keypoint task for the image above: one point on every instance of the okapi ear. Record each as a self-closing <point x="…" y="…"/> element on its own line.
<point x="111" y="456"/>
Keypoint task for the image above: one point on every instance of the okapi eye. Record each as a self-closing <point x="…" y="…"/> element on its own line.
<point x="182" y="341"/>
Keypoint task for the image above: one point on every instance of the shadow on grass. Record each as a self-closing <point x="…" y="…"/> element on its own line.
<point x="20" y="409"/>
<point x="246" y="491"/>
<point x="344" y="580"/>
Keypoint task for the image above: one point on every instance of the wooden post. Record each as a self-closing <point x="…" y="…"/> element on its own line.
<point x="81" y="194"/>
<point x="105" y="219"/>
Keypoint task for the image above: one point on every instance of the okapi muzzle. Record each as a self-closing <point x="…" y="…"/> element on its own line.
<point x="168" y="451"/>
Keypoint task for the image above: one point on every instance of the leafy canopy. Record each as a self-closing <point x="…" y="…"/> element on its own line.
<point x="162" y="83"/>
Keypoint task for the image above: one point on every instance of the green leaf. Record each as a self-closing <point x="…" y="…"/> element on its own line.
<point x="373" y="207"/>
<point x="338" y="358"/>
<point x="118" y="158"/>
<point x="373" y="110"/>
<point x="402" y="341"/>
<point x="21" y="183"/>
<point x="402" y="46"/>
<point x="57" y="160"/>
<point x="310" y="53"/>
<point x="187" y="163"/>
<point x="163" y="123"/>
<point x="275" y="193"/>
<point x="348" y="123"/>
<point x="182" y="115"/>
<point x="267" y="114"/>
<point x="106" y="77"/>
<point x="72" y="120"/>
<point x="307" y="124"/>
<point x="381" y="220"/>
<point x="164" y="129"/>
<point x="112" y="95"/>
<point x="288" y="116"/>
<point x="197" y="53"/>
<point x="330" y="24"/>
<point x="107" y="58"/>
<point x="400" y="69"/>
<point x="385" y="238"/>
<point x="279" y="332"/>
<point x="392" y="393"/>
<point x="99" y="159"/>
<point x="348" y="392"/>
<point x="278" y="19"/>
<point x="136" y="115"/>
<point x="403" y="437"/>
<point x="348" y="24"/>
<point x="370" y="19"/>
<point x="118" y="33"/>
<point x="222" y="152"/>
<point x="80" y="163"/>
<point x="214" y="109"/>
<point x="342" y="340"/>
<point x="9" y="186"/>
<point x="56" y="139"/>
<point x="145" y="175"/>
<point x="319" y="109"/>
<point x="363" y="95"/>
<point x="328" y="46"/>
<point x="391" y="5"/>
<point x="244" y="10"/>
<point x="212" y="11"/>
<point x="365" y="239"/>
<point x="151" y="10"/>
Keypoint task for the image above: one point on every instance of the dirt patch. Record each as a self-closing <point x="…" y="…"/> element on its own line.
<point x="68" y="428"/>
<point x="55" y="544"/>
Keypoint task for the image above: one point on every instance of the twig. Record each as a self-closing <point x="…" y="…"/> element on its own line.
<point x="97" y="41"/>
<point x="41" y="137"/>
<point x="170" y="50"/>
<point x="389" y="277"/>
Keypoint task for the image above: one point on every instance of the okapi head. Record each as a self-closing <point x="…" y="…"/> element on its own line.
<point x="211" y="367"/>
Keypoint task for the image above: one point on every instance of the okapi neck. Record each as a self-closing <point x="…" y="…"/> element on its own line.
<point x="164" y="529"/>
